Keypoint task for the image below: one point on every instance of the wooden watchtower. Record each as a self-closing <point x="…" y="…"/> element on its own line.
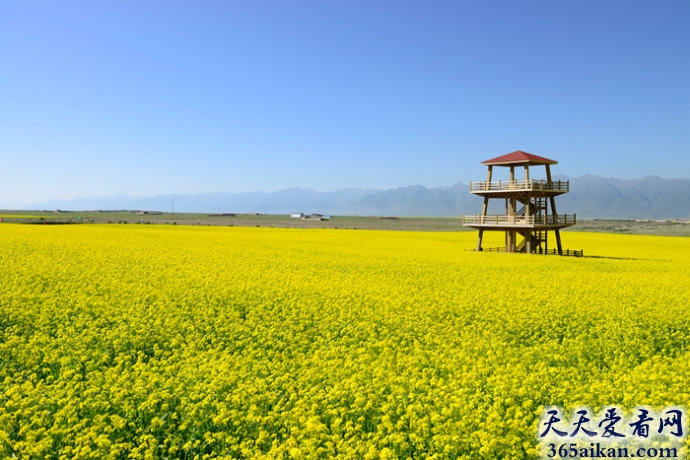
<point x="536" y="214"/>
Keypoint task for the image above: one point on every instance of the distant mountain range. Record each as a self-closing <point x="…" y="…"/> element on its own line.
<point x="590" y="197"/>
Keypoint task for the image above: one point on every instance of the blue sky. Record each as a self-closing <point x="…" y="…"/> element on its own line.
<point x="155" y="97"/>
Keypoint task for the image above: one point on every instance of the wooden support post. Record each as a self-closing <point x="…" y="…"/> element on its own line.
<point x="512" y="200"/>
<point x="484" y="209"/>
<point x="554" y="212"/>
<point x="479" y="240"/>
<point x="510" y="234"/>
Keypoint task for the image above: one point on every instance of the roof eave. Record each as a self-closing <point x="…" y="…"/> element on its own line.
<point x="517" y="162"/>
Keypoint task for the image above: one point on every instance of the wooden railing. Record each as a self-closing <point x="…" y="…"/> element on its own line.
<point x="508" y="221"/>
<point x="552" y="251"/>
<point x="522" y="184"/>
<point x="494" y="249"/>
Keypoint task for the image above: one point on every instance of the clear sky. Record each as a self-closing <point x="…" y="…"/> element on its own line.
<point x="154" y="97"/>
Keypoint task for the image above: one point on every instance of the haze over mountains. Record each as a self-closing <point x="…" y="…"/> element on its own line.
<point x="590" y="197"/>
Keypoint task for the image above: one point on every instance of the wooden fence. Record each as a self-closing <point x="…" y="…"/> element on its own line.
<point x="554" y="251"/>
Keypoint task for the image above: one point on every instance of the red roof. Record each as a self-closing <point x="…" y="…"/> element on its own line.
<point x="519" y="158"/>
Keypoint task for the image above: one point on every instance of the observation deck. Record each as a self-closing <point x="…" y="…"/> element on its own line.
<point x="520" y="187"/>
<point x="503" y="222"/>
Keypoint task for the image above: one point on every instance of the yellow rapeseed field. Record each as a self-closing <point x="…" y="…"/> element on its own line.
<point x="152" y="341"/>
